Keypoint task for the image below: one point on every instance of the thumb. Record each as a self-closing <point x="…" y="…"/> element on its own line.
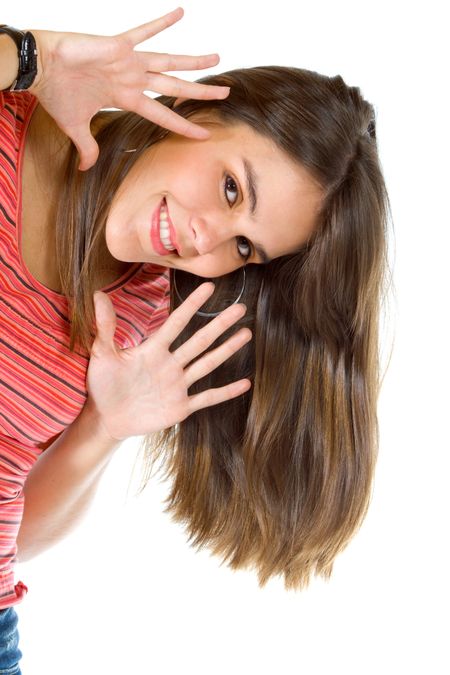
<point x="106" y="322"/>
<point x="86" y="145"/>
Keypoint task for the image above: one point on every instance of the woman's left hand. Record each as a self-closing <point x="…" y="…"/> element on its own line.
<point x="143" y="389"/>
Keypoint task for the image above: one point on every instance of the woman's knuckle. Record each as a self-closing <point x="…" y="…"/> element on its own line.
<point x="175" y="323"/>
<point x="176" y="87"/>
<point x="203" y="341"/>
<point x="210" y="363"/>
<point x="171" y="63"/>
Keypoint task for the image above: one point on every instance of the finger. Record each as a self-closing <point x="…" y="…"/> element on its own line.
<point x="161" y="63"/>
<point x="85" y="144"/>
<point x="205" y="337"/>
<point x="147" y="30"/>
<point x="214" y="396"/>
<point x="174" y="86"/>
<point x="215" y="358"/>
<point x="160" y="114"/>
<point x="106" y="322"/>
<point x="181" y="316"/>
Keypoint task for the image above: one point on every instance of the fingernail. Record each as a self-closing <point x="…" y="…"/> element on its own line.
<point x="202" y="134"/>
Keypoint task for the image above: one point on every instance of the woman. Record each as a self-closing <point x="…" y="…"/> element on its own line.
<point x="278" y="196"/>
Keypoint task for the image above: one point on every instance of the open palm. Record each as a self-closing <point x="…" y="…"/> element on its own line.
<point x="79" y="74"/>
<point x="143" y="389"/>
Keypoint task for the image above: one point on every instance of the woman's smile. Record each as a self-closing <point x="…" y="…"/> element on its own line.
<point x="162" y="232"/>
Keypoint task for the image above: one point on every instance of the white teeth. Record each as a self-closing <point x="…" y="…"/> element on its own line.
<point x="164" y="232"/>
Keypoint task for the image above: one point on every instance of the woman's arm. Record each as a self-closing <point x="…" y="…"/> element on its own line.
<point x="62" y="484"/>
<point x="9" y="61"/>
<point x="131" y="392"/>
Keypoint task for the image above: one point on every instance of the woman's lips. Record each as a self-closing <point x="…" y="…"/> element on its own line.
<point x="155" y="234"/>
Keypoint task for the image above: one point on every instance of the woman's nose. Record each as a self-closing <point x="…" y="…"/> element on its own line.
<point x="208" y="236"/>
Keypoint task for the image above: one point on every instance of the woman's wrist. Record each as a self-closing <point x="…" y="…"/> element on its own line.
<point x="91" y="425"/>
<point x="46" y="42"/>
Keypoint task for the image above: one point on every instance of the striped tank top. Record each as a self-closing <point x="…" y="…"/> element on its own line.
<point x="43" y="383"/>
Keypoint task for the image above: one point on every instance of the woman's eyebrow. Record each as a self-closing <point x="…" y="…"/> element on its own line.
<point x="251" y="185"/>
<point x="252" y="191"/>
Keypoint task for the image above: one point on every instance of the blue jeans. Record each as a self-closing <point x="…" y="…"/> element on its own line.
<point x="10" y="653"/>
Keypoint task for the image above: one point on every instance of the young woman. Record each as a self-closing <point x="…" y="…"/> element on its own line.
<point x="266" y="180"/>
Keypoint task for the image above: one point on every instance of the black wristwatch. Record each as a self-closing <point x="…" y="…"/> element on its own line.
<point x="26" y="49"/>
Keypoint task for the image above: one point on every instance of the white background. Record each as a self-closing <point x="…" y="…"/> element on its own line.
<point x="125" y="593"/>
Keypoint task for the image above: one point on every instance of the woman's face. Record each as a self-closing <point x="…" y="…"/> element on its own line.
<point x="208" y="207"/>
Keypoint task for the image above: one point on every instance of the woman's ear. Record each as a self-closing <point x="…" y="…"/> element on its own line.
<point x="178" y="101"/>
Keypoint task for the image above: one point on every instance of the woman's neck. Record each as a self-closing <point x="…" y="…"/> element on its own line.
<point x="46" y="153"/>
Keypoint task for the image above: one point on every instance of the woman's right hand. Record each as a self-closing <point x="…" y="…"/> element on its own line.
<point x="80" y="74"/>
<point x="143" y="389"/>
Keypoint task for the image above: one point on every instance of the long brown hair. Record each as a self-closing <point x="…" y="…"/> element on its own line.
<point x="279" y="479"/>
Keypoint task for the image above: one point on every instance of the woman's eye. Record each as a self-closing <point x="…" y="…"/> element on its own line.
<point x="243" y="247"/>
<point x="231" y="190"/>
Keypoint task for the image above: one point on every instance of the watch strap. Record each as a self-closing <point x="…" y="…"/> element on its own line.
<point x="27" y="53"/>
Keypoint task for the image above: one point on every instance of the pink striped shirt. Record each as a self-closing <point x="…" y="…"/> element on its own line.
<point x="42" y="383"/>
